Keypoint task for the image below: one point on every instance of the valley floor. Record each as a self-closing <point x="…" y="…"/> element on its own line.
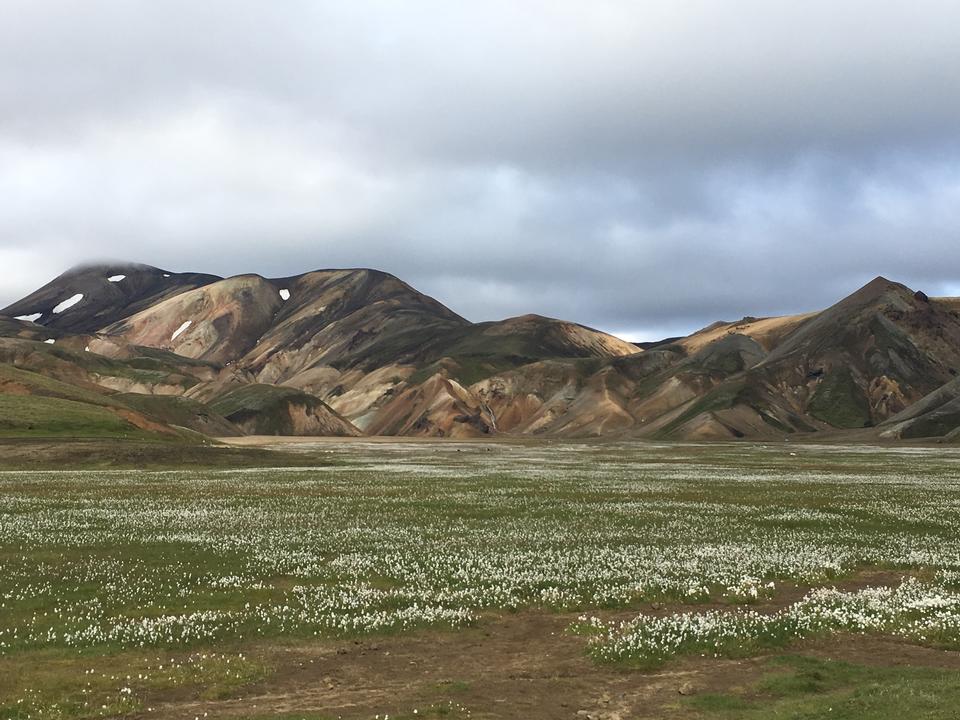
<point x="489" y="580"/>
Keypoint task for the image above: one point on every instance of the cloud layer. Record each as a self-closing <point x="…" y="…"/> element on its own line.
<point x="645" y="168"/>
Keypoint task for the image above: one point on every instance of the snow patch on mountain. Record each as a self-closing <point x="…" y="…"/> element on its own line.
<point x="180" y="329"/>
<point x="68" y="303"/>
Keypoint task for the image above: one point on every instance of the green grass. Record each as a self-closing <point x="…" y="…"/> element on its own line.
<point x="172" y="408"/>
<point x="43" y="385"/>
<point x="32" y="416"/>
<point x="52" y="408"/>
<point x="805" y="688"/>
<point x="452" y="687"/>
<point x="61" y="685"/>
<point x="362" y="539"/>
<point x="287" y="716"/>
<point x="259" y="398"/>
<point x="253" y="398"/>
<point x="151" y="453"/>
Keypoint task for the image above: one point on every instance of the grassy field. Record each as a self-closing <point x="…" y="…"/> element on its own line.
<point x="488" y="580"/>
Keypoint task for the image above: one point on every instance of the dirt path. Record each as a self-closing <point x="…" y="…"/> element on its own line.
<point x="513" y="666"/>
<point x="516" y="666"/>
<point x="522" y="665"/>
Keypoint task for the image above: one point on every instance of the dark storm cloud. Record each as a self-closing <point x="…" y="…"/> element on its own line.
<point x="641" y="167"/>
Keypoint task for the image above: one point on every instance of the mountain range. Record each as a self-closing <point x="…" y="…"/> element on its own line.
<point x="136" y="351"/>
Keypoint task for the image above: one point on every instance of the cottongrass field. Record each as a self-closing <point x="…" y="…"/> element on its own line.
<point x="117" y="585"/>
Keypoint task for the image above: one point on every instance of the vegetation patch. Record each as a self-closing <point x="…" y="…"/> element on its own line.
<point x="469" y="369"/>
<point x="928" y="613"/>
<point x="839" y="401"/>
<point x="34" y="416"/>
<point x="103" y="570"/>
<point x="812" y="689"/>
<point x="723" y="397"/>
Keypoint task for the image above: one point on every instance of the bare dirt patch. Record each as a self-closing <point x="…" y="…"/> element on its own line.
<point x="521" y="665"/>
<point x="515" y="666"/>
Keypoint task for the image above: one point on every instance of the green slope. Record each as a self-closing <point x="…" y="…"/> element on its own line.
<point x="34" y="416"/>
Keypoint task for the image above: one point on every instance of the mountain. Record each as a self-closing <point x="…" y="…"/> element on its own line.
<point x="936" y="414"/>
<point x="98" y="295"/>
<point x="853" y="365"/>
<point x="359" y="340"/>
<point x="359" y="351"/>
<point x="869" y="356"/>
<point x="218" y="322"/>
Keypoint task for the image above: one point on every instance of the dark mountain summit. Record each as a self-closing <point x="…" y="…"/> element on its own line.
<point x="98" y="295"/>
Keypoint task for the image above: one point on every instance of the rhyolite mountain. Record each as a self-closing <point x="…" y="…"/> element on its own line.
<point x="107" y="293"/>
<point x="354" y="352"/>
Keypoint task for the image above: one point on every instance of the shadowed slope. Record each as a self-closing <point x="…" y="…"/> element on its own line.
<point x="272" y="410"/>
<point x="107" y="293"/>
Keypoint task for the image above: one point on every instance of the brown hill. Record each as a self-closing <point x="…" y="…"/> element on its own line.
<point x="218" y="322"/>
<point x="348" y="351"/>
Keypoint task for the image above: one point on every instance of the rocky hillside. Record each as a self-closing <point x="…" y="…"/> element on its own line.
<point x="98" y="295"/>
<point x="347" y="352"/>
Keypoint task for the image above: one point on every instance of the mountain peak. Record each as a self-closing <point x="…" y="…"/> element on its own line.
<point x="108" y="267"/>
<point x="873" y="291"/>
<point x="366" y="344"/>
<point x="90" y="296"/>
<point x="880" y="285"/>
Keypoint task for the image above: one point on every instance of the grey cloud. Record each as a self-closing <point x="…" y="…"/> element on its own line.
<point x="640" y="167"/>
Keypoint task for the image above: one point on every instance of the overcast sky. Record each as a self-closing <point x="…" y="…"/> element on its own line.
<point x="641" y="167"/>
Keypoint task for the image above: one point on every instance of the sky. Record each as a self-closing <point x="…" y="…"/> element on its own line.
<point x="645" y="168"/>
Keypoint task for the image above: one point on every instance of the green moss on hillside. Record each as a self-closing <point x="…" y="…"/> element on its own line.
<point x="15" y="380"/>
<point x="722" y="397"/>
<point x="266" y="409"/>
<point x="33" y="416"/>
<point x="839" y="401"/>
<point x="181" y="411"/>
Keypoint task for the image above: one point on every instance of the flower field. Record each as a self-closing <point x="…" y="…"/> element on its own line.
<point x="387" y="538"/>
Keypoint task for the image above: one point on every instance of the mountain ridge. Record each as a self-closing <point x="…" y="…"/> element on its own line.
<point x="354" y="351"/>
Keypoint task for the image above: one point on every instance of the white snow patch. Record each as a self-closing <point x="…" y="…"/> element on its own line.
<point x="29" y="318"/>
<point x="51" y="341"/>
<point x="87" y="349"/>
<point x="68" y="303"/>
<point x="180" y="329"/>
<point x="116" y="278"/>
<point x="166" y="275"/>
<point x="285" y="294"/>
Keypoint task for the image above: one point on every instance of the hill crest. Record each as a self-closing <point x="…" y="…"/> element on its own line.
<point x="345" y="351"/>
